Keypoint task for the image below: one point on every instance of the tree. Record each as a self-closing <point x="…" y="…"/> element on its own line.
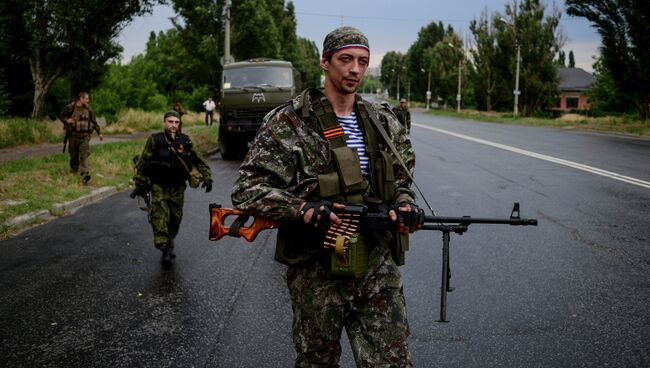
<point x="392" y="69"/>
<point x="624" y="28"/>
<point x="527" y="25"/>
<point x="561" y="59"/>
<point x="572" y="60"/>
<point x="428" y="37"/>
<point x="200" y="43"/>
<point x="484" y="78"/>
<point x="308" y="62"/>
<point x="56" y="37"/>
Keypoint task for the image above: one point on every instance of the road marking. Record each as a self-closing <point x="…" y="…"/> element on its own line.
<point x="575" y="165"/>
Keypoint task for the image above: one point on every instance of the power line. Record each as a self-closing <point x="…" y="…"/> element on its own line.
<point x="383" y="18"/>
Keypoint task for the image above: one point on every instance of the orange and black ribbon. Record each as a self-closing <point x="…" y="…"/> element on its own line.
<point x="334" y="132"/>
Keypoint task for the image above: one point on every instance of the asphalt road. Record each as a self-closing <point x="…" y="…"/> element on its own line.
<point x="87" y="290"/>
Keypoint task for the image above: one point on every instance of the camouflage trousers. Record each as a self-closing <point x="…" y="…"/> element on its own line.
<point x="166" y="213"/>
<point x="372" y="309"/>
<point x="79" y="150"/>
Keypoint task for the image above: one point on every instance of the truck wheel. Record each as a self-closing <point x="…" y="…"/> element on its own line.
<point x="228" y="148"/>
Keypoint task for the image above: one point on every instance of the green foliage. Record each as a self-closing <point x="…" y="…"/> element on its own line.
<point x="20" y="131"/>
<point x="392" y="70"/>
<point x="572" y="60"/>
<point x="247" y="40"/>
<point x="5" y="102"/>
<point x="73" y="37"/>
<point x="308" y="63"/>
<point x="419" y="56"/>
<point x="485" y="77"/>
<point x="528" y="26"/>
<point x="624" y="27"/>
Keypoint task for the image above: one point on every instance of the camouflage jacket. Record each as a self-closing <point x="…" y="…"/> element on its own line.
<point x="159" y="165"/>
<point x="280" y="171"/>
<point x="84" y="119"/>
<point x="404" y="116"/>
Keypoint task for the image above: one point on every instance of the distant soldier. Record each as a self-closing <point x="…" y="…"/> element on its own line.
<point x="178" y="108"/>
<point x="404" y="115"/>
<point x="163" y="168"/>
<point x="79" y="122"/>
<point x="209" y="106"/>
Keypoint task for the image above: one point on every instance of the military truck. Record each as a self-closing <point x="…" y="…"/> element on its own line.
<point x="249" y="90"/>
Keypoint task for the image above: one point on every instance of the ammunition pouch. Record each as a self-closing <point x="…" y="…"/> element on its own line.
<point x="350" y="257"/>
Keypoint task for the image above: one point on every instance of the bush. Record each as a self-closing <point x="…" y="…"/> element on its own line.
<point x="20" y="131"/>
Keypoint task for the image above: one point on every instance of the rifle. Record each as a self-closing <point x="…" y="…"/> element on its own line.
<point x="65" y="140"/>
<point x="146" y="197"/>
<point x="357" y="217"/>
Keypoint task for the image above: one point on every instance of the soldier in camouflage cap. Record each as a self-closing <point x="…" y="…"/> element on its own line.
<point x="163" y="169"/>
<point x="310" y="155"/>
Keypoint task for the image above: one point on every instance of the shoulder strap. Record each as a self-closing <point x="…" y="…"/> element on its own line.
<point x="384" y="135"/>
<point x="330" y="128"/>
<point x="169" y="146"/>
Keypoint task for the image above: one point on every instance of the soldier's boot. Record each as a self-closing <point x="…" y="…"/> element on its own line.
<point x="170" y="248"/>
<point x="85" y="178"/>
<point x="166" y="260"/>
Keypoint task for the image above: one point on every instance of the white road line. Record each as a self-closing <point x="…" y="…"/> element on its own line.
<point x="575" y="165"/>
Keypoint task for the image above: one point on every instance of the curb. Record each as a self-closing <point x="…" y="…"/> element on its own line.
<point x="59" y="209"/>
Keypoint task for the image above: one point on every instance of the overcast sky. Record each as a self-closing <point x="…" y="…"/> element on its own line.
<point x="389" y="24"/>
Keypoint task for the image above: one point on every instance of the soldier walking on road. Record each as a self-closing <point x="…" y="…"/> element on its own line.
<point x="404" y="115"/>
<point x="164" y="167"/>
<point x="79" y="122"/>
<point x="320" y="150"/>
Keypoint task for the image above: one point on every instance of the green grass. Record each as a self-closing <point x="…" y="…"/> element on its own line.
<point x="22" y="131"/>
<point x="33" y="184"/>
<point x="608" y="124"/>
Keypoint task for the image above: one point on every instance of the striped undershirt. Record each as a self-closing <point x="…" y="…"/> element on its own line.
<point x="355" y="138"/>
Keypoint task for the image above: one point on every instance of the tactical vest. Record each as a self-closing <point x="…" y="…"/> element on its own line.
<point x="343" y="181"/>
<point x="82" y="119"/>
<point x="165" y="168"/>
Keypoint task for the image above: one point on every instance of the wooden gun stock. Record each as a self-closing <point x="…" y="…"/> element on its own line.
<point x="237" y="229"/>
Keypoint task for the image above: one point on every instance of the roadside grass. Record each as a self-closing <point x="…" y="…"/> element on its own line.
<point x="609" y="124"/>
<point x="34" y="184"/>
<point x="22" y="131"/>
<point x="25" y="131"/>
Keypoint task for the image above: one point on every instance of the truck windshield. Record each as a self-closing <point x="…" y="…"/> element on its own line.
<point x="258" y="76"/>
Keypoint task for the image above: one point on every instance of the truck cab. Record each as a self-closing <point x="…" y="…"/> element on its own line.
<point x="249" y="90"/>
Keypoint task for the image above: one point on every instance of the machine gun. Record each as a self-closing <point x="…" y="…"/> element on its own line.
<point x="357" y="217"/>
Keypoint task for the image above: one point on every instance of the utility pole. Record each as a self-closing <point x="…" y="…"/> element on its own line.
<point x="458" y="96"/>
<point x="516" y="91"/>
<point x="226" y="43"/>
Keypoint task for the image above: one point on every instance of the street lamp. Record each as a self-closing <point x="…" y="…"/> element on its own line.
<point x="428" y="87"/>
<point x="516" y="92"/>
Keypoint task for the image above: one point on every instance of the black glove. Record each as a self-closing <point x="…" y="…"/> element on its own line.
<point x="322" y="208"/>
<point x="412" y="218"/>
<point x="139" y="190"/>
<point x="207" y="184"/>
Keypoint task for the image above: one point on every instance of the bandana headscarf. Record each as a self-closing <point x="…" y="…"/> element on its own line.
<point x="343" y="38"/>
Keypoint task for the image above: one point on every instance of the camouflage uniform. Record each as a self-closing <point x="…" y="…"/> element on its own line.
<point x="79" y="134"/>
<point x="404" y="116"/>
<point x="279" y="173"/>
<point x="163" y="172"/>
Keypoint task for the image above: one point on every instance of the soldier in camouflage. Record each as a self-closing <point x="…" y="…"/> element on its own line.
<point x="311" y="154"/>
<point x="79" y="122"/>
<point x="163" y="169"/>
<point x="403" y="114"/>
